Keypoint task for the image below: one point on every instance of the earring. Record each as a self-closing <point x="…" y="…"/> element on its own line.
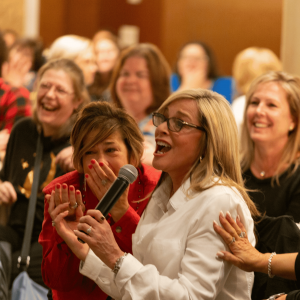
<point x="291" y="127"/>
<point x="200" y="159"/>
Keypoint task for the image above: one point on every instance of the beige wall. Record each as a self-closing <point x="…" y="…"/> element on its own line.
<point x="12" y="15"/>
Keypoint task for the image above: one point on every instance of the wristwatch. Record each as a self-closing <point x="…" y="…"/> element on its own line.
<point x="273" y="297"/>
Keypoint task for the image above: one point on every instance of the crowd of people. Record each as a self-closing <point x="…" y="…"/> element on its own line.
<point x="202" y="144"/>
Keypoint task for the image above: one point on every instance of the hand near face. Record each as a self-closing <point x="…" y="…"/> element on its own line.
<point x="244" y="255"/>
<point x="8" y="194"/>
<point x="100" y="179"/>
<point x="100" y="238"/>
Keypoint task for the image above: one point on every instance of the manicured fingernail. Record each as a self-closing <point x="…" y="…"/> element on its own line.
<point x="86" y="175"/>
<point x="58" y="186"/>
<point x="71" y="188"/>
<point x="64" y="186"/>
<point x="220" y="254"/>
<point x="228" y="214"/>
<point x="101" y="164"/>
<point x="90" y="166"/>
<point x="222" y="214"/>
<point x="78" y="192"/>
<point x="215" y="223"/>
<point x="93" y="161"/>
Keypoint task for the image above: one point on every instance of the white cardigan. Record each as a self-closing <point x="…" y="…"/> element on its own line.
<point x="175" y="248"/>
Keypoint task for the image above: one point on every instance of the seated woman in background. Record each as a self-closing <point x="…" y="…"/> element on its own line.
<point x="104" y="139"/>
<point x="174" y="244"/>
<point x="107" y="51"/>
<point x="60" y="93"/>
<point x="248" y="65"/>
<point x="76" y="48"/>
<point x="270" y="145"/>
<point x="140" y="84"/>
<point x="196" y="67"/>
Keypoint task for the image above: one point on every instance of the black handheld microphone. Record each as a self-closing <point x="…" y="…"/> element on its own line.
<point x="127" y="175"/>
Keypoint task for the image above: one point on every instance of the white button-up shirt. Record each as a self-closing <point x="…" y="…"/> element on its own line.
<point x="175" y="248"/>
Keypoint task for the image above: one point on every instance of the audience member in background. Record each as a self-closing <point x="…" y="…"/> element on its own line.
<point x="174" y="244"/>
<point x="140" y="84"/>
<point x="196" y="67"/>
<point x="247" y="258"/>
<point x="14" y="101"/>
<point x="248" y="65"/>
<point x="270" y="146"/>
<point x="60" y="93"/>
<point x="104" y="138"/>
<point x="76" y="48"/>
<point x="9" y="36"/>
<point x="107" y="51"/>
<point x="29" y="50"/>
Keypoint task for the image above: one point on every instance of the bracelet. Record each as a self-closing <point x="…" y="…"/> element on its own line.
<point x="269" y="265"/>
<point x="118" y="264"/>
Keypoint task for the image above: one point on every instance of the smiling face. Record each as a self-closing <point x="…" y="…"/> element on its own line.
<point x="55" y="100"/>
<point x="176" y="152"/>
<point x="133" y="87"/>
<point x="269" y="118"/>
<point x="106" y="54"/>
<point x="112" y="152"/>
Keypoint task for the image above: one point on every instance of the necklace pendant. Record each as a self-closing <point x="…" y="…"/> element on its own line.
<point x="262" y="173"/>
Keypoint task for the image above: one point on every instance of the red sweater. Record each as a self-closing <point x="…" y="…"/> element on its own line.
<point x="60" y="267"/>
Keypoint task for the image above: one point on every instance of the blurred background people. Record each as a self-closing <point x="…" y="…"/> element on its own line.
<point x="248" y="65"/>
<point x="60" y="93"/>
<point x="76" y="48"/>
<point x="140" y="84"/>
<point x="9" y="36"/>
<point x="196" y="67"/>
<point x="107" y="51"/>
<point x="270" y="146"/>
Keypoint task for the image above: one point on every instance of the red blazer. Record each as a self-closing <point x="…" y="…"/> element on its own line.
<point x="60" y="267"/>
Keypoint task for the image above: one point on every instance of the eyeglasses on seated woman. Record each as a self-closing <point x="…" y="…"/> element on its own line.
<point x="174" y="244"/>
<point x="104" y="139"/>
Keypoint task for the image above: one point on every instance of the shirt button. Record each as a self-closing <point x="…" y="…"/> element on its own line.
<point x="139" y="196"/>
<point x="83" y="202"/>
<point x="118" y="229"/>
<point x="139" y="190"/>
<point x="137" y="208"/>
<point x="139" y="182"/>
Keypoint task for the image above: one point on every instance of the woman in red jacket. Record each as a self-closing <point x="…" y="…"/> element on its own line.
<point x="104" y="139"/>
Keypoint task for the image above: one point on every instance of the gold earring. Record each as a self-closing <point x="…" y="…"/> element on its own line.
<point x="291" y="127"/>
<point x="200" y="159"/>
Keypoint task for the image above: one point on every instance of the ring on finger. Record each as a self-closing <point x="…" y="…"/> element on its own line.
<point x="89" y="230"/>
<point x="104" y="182"/>
<point x="102" y="218"/>
<point x="53" y="223"/>
<point x="75" y="205"/>
<point x="242" y="234"/>
<point x="232" y="241"/>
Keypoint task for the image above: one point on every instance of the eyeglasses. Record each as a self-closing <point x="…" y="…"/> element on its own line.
<point x="174" y="124"/>
<point x="60" y="92"/>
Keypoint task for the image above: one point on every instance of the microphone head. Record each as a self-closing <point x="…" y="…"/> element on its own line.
<point x="129" y="173"/>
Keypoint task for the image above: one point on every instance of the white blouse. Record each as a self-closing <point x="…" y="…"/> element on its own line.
<point x="175" y="248"/>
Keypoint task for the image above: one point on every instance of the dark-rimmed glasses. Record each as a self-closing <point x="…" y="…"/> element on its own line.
<point x="174" y="124"/>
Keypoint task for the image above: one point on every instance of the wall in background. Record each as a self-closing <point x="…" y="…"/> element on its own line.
<point x="227" y="26"/>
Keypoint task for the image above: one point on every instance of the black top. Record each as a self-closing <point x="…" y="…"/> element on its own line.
<point x="18" y="170"/>
<point x="276" y="200"/>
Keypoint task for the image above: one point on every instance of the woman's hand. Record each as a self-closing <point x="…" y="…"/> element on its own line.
<point x="244" y="255"/>
<point x="100" y="237"/>
<point x="8" y="194"/>
<point x="100" y="179"/>
<point x="65" y="225"/>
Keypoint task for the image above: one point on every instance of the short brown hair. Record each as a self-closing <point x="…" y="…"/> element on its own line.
<point x="159" y="71"/>
<point x="80" y="91"/>
<point x="106" y="119"/>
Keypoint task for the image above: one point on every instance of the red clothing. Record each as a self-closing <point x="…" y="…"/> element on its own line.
<point x="60" y="267"/>
<point x="14" y="104"/>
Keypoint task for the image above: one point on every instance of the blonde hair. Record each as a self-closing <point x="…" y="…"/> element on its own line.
<point x="159" y="72"/>
<point x="105" y="119"/>
<point x="291" y="85"/>
<point x="220" y="147"/>
<point x="68" y="46"/>
<point x="80" y="91"/>
<point x="251" y="63"/>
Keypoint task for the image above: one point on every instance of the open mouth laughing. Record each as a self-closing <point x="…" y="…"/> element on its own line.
<point x="162" y="147"/>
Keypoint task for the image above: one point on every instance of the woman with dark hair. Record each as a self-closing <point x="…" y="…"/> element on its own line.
<point x="60" y="93"/>
<point x="140" y="84"/>
<point x="196" y="67"/>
